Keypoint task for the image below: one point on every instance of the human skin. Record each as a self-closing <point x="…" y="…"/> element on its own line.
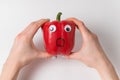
<point x="91" y="52"/>
<point x="23" y="51"/>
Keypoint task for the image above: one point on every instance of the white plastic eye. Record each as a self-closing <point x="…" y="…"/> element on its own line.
<point x="52" y="28"/>
<point x="67" y="28"/>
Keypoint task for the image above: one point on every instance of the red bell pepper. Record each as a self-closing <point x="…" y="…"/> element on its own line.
<point x="59" y="36"/>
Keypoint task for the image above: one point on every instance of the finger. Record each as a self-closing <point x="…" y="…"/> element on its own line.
<point x="44" y="55"/>
<point x="79" y="24"/>
<point x="33" y="28"/>
<point x="71" y="56"/>
<point x="83" y="29"/>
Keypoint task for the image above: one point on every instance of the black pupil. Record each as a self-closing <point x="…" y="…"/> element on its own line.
<point x="68" y="29"/>
<point x="52" y="28"/>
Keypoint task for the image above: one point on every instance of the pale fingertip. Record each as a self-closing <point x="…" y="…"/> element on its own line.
<point x="73" y="55"/>
<point x="67" y="57"/>
<point x="71" y="18"/>
<point x="48" y="55"/>
<point x="48" y="19"/>
<point x="44" y="55"/>
<point x="43" y="20"/>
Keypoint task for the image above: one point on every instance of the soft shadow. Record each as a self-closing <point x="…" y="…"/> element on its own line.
<point x="78" y="41"/>
<point x="38" y="40"/>
<point x="108" y="43"/>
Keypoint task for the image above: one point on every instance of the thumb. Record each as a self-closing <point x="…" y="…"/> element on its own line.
<point x="73" y="55"/>
<point x="69" y="56"/>
<point x="42" y="54"/>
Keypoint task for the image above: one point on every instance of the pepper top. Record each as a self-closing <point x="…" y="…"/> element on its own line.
<point x="58" y="18"/>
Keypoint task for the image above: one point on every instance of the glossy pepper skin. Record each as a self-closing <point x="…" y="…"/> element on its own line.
<point x="59" y="36"/>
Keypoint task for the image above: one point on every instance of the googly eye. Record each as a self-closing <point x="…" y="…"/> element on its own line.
<point x="67" y="28"/>
<point x="52" y="28"/>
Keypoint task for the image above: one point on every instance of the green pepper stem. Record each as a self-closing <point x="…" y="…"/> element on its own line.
<point x="58" y="18"/>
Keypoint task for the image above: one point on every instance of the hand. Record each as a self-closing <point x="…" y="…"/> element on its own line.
<point x="91" y="52"/>
<point x="24" y="51"/>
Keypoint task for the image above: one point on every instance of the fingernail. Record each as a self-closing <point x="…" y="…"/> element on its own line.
<point x="48" y="19"/>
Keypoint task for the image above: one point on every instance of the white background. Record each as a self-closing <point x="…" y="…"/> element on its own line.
<point x="100" y="16"/>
